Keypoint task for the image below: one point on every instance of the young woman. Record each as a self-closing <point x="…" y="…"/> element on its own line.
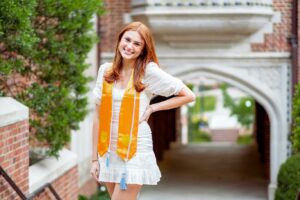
<point x="123" y="157"/>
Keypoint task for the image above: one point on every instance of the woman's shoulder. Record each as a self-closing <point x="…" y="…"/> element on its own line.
<point x="151" y="65"/>
<point x="151" y="68"/>
<point x="105" y="65"/>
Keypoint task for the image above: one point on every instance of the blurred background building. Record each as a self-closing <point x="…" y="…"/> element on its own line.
<point x="247" y="44"/>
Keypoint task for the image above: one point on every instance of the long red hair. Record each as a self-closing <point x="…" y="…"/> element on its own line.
<point x="147" y="55"/>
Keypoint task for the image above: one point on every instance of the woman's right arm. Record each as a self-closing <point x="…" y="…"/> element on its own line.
<point x="95" y="165"/>
<point x="97" y="91"/>
<point x="95" y="133"/>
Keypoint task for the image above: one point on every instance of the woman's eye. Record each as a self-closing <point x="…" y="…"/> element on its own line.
<point x="127" y="39"/>
<point x="137" y="44"/>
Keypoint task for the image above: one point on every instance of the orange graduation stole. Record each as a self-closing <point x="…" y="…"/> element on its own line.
<point x="128" y="120"/>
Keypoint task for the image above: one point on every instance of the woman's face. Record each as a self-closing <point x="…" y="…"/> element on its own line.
<point x="131" y="45"/>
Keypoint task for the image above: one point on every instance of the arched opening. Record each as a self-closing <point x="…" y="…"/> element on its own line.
<point x="269" y="126"/>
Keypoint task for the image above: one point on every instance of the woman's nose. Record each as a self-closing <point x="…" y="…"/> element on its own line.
<point x="129" y="45"/>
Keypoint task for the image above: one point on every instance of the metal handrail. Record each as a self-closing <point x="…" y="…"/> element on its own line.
<point x="12" y="184"/>
<point x="41" y="189"/>
<point x="32" y="195"/>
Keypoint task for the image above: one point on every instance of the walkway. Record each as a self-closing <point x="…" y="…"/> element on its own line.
<point x="209" y="172"/>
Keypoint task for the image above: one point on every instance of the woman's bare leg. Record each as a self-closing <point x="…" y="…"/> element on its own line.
<point x="129" y="194"/>
<point x="110" y="188"/>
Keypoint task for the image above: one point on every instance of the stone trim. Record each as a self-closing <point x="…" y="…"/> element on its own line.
<point x="205" y="4"/>
<point x="12" y="111"/>
<point x="46" y="171"/>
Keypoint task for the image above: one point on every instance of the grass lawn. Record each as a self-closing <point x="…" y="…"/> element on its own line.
<point x="245" y="139"/>
<point x="199" y="136"/>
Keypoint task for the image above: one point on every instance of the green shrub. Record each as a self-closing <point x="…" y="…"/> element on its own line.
<point x="296" y="121"/>
<point x="46" y="42"/>
<point x="289" y="179"/>
<point x="103" y="195"/>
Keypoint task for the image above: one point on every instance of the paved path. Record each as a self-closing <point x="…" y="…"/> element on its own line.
<point x="209" y="172"/>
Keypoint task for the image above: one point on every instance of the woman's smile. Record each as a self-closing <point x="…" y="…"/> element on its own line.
<point x="127" y="52"/>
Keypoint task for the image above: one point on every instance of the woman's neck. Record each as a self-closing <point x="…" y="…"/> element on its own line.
<point x="128" y="65"/>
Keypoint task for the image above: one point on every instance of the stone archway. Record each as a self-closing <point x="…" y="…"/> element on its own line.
<point x="265" y="97"/>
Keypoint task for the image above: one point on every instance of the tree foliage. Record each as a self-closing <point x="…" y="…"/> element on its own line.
<point x="17" y="35"/>
<point x="240" y="109"/>
<point x="43" y="49"/>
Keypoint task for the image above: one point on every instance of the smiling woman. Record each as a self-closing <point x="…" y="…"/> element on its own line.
<point x="123" y="156"/>
<point x="131" y="45"/>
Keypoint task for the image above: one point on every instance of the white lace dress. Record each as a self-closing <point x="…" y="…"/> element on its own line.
<point x="142" y="168"/>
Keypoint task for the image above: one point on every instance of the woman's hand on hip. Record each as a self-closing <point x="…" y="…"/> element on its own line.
<point x="147" y="114"/>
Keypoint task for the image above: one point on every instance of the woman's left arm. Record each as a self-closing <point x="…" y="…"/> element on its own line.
<point x="184" y="96"/>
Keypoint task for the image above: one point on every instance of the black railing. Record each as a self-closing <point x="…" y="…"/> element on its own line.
<point x="41" y="189"/>
<point x="21" y="194"/>
<point x="12" y="184"/>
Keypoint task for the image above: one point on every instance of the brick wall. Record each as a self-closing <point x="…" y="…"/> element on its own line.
<point x="14" y="158"/>
<point x="66" y="186"/>
<point x="278" y="40"/>
<point x="112" y="22"/>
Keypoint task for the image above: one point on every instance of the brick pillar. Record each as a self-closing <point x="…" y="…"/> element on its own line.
<point x="14" y="158"/>
<point x="14" y="146"/>
<point x="112" y="22"/>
